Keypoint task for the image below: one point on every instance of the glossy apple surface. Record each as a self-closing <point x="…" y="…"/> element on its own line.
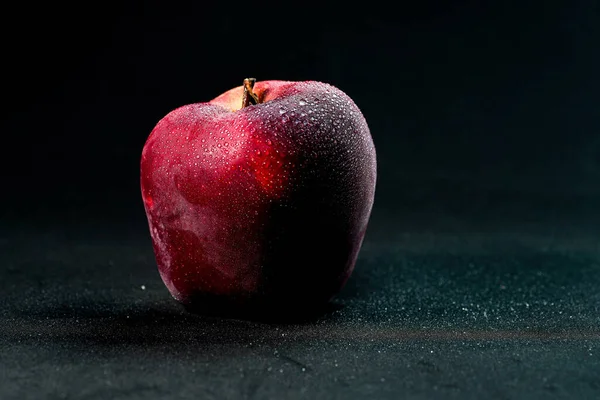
<point x="266" y="204"/>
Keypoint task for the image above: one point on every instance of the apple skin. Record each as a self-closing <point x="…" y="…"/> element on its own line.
<point x="265" y="205"/>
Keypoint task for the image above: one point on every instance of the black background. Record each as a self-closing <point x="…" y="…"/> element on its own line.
<point x="486" y="122"/>
<point x="461" y="93"/>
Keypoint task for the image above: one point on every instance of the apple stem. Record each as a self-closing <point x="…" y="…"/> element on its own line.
<point x="249" y="96"/>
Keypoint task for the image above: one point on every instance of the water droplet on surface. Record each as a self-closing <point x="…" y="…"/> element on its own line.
<point x="302" y="102"/>
<point x="282" y="111"/>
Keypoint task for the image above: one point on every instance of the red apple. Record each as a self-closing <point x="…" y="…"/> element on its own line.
<point x="264" y="204"/>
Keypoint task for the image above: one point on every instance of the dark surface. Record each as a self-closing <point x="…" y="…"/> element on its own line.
<point x="440" y="306"/>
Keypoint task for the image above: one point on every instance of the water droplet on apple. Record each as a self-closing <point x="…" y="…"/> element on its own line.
<point x="302" y="102"/>
<point x="282" y="111"/>
<point x="269" y="142"/>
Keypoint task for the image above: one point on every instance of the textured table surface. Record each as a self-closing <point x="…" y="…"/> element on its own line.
<point x="439" y="306"/>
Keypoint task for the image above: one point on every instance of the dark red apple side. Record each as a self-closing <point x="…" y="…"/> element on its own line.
<point x="265" y="205"/>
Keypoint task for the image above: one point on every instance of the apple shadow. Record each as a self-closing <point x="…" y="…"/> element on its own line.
<point x="262" y="312"/>
<point x="160" y="324"/>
